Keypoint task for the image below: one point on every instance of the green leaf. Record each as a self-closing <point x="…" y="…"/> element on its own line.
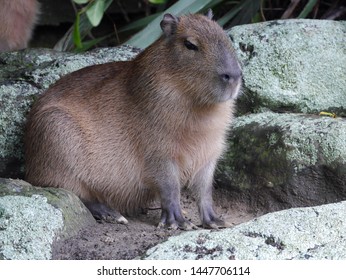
<point x="157" y="2"/>
<point x="242" y="13"/>
<point x="68" y="42"/>
<point x="95" y="12"/>
<point x="139" y="24"/>
<point x="74" y="36"/>
<point x="81" y="1"/>
<point x="149" y="34"/>
<point x="307" y="9"/>
<point x="212" y="4"/>
<point x="76" y="33"/>
<point x="89" y="44"/>
<point x="229" y="15"/>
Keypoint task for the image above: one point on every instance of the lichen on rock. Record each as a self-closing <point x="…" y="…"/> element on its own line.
<point x="28" y="227"/>
<point x="293" y="65"/>
<point x="302" y="233"/>
<point x="33" y="218"/>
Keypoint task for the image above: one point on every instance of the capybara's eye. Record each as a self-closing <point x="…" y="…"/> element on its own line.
<point x="190" y="46"/>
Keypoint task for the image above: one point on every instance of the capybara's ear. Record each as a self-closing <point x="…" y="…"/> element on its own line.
<point x="209" y="14"/>
<point x="169" y="24"/>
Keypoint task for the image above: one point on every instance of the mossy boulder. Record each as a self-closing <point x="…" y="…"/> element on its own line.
<point x="32" y="218"/>
<point x="283" y="151"/>
<point x="280" y="161"/>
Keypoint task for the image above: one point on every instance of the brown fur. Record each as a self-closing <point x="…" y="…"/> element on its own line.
<point x="17" y="20"/>
<point x="122" y="133"/>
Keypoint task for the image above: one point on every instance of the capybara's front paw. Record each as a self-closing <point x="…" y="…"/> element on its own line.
<point x="173" y="219"/>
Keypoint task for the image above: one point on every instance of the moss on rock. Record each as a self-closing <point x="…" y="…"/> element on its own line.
<point x="295" y="159"/>
<point x="32" y="218"/>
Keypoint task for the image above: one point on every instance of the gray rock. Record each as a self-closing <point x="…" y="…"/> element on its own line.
<point x="293" y="65"/>
<point x="280" y="161"/>
<point x="300" y="233"/>
<point x="24" y="75"/>
<point x="274" y="161"/>
<point x="32" y="219"/>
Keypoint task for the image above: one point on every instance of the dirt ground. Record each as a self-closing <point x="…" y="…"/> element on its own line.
<point x="124" y="242"/>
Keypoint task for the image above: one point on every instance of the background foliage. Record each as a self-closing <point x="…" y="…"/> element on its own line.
<point x="143" y="31"/>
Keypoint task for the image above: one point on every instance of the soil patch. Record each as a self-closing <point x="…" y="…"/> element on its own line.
<point x="125" y="242"/>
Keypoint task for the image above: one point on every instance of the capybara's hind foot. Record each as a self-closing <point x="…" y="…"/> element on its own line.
<point x="104" y="213"/>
